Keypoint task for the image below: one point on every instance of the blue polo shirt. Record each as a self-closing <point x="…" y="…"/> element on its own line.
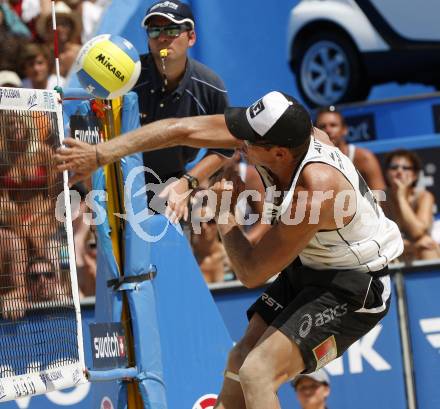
<point x="200" y="92"/>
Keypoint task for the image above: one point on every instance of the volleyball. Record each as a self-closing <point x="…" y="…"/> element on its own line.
<point x="107" y="66"/>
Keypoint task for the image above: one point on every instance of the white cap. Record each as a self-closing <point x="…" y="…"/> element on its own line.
<point x="318" y="376"/>
<point x="9" y="78"/>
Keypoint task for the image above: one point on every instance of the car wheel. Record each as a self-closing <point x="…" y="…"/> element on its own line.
<point x="329" y="71"/>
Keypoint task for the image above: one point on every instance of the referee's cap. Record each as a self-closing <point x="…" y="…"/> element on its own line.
<point x="175" y="11"/>
<point x="318" y="376"/>
<point x="275" y="119"/>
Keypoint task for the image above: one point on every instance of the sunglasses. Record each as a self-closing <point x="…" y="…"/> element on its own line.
<point x="91" y="245"/>
<point x="172" y="30"/>
<point x="35" y="277"/>
<point x="403" y="167"/>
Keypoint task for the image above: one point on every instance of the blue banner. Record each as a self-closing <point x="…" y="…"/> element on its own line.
<point x="390" y="119"/>
<point x="422" y="291"/>
<point x="372" y="364"/>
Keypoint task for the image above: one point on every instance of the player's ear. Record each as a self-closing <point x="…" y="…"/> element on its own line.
<point x="192" y="38"/>
<point x="281" y="152"/>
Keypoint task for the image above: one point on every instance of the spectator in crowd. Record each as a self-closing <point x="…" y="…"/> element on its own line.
<point x="69" y="29"/>
<point x="177" y="86"/>
<point x="43" y="281"/>
<point x="28" y="182"/>
<point x="91" y="13"/>
<point x="85" y="248"/>
<point x="29" y="10"/>
<point x="333" y="123"/>
<point x="13" y="256"/>
<point x="410" y="206"/>
<point x="10" y="79"/>
<point x="37" y="66"/>
<point x="312" y="390"/>
<point x="10" y="42"/>
<point x="10" y="20"/>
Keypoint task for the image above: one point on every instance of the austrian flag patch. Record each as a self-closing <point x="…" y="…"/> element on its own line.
<point x="325" y="352"/>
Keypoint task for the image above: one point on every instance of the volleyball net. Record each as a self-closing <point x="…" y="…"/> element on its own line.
<point x="41" y="346"/>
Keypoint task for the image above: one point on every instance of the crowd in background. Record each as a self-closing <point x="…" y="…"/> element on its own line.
<point x="31" y="241"/>
<point x="27" y="60"/>
<point x="27" y="39"/>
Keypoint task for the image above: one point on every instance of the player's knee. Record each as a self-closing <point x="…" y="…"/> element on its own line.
<point x="237" y="355"/>
<point x="254" y="369"/>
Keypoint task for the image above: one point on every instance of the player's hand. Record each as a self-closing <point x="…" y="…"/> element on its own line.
<point x="229" y="183"/>
<point x="178" y="195"/>
<point x="77" y="157"/>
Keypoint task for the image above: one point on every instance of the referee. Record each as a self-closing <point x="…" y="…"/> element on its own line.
<point x="172" y="85"/>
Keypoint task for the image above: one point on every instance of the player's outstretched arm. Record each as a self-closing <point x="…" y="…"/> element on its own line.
<point x="208" y="131"/>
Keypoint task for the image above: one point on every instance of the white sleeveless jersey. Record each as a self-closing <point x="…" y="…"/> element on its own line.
<point x="368" y="243"/>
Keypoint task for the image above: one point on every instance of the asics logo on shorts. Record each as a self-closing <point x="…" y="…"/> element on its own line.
<point x="329" y="314"/>
<point x="271" y="302"/>
<point x="321" y="318"/>
<point x="306" y="325"/>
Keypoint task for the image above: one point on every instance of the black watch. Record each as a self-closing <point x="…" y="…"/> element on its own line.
<point x="193" y="182"/>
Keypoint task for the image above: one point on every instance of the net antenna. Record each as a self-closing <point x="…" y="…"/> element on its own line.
<point x="55" y="44"/>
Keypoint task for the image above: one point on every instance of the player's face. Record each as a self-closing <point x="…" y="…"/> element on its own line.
<point x="176" y="46"/>
<point x="311" y="394"/>
<point x="331" y="123"/>
<point x="263" y="155"/>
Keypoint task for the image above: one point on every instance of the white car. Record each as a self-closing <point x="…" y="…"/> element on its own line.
<point x="338" y="49"/>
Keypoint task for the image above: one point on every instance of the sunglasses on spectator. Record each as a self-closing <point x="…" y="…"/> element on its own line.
<point x="403" y="167"/>
<point x="91" y="245"/>
<point x="172" y="30"/>
<point x="35" y="277"/>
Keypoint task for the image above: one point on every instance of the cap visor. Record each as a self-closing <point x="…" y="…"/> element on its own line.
<point x="238" y="125"/>
<point x="168" y="17"/>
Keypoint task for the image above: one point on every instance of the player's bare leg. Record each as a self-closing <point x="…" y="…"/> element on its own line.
<point x="231" y="395"/>
<point x="273" y="361"/>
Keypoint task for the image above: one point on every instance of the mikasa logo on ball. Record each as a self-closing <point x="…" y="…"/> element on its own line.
<point x="108" y="66"/>
<point x="105" y="61"/>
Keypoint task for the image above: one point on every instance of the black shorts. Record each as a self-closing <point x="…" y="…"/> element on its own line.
<point x="323" y="312"/>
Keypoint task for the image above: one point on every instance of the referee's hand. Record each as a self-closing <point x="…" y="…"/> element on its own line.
<point x="78" y="157"/>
